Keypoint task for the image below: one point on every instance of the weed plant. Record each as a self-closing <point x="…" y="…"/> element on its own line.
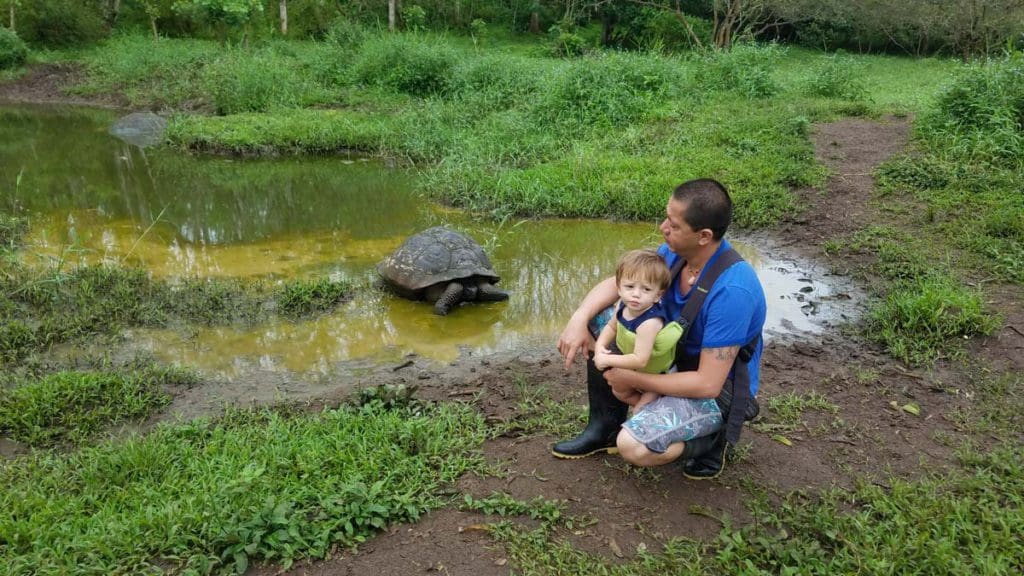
<point x="219" y="496"/>
<point x="501" y="504"/>
<point x="73" y="406"/>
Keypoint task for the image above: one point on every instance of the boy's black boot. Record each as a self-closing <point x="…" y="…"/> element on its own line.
<point x="607" y="413"/>
<point x="704" y="457"/>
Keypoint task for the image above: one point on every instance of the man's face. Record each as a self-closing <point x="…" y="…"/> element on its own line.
<point x="680" y="237"/>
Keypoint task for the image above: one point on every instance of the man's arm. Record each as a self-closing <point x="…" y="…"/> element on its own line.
<point x="704" y="382"/>
<point x="575" y="338"/>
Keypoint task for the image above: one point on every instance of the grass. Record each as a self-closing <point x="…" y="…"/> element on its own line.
<point x="785" y="411"/>
<point x="46" y="307"/>
<point x="75" y="406"/>
<point x="218" y="496"/>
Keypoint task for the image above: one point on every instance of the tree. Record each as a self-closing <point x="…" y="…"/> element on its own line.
<point x="12" y="5"/>
<point x="283" y="11"/>
<point x="223" y="15"/>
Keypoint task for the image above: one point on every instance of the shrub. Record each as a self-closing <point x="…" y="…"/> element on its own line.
<point x="414" y="18"/>
<point x="564" y="43"/>
<point x="404" y="64"/>
<point x="746" y="70"/>
<point x="838" y="77"/>
<point x="62" y="23"/>
<point x="981" y="113"/>
<point x="13" y="51"/>
<point x="298" y="298"/>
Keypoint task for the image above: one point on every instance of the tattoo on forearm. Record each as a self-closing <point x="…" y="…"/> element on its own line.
<point x="727" y="353"/>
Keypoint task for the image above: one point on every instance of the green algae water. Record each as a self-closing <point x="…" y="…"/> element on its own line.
<point x="93" y="198"/>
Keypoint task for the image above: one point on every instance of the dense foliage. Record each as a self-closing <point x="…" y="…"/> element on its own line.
<point x="12" y="50"/>
<point x="962" y="27"/>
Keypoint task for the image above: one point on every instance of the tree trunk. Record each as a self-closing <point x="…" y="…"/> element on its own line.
<point x="283" y="9"/>
<point x="152" y="26"/>
<point x="392" y="14"/>
<point x="12" y="17"/>
<point x="607" y="28"/>
<point x="113" y="9"/>
<point x="534" y="23"/>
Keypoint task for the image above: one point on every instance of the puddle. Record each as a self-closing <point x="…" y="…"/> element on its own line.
<point x="93" y="198"/>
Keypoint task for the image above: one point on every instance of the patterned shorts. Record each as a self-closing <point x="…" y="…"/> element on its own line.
<point x="670" y="419"/>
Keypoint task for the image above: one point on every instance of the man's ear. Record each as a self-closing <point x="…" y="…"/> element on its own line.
<point x="706" y="236"/>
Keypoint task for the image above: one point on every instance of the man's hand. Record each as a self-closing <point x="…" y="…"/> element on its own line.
<point x="621" y="380"/>
<point x="575" y="339"/>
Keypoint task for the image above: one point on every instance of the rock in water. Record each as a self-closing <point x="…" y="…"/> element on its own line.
<point x="140" y="129"/>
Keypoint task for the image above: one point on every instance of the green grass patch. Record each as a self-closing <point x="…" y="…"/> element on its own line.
<point x="785" y="411"/>
<point x="45" y="307"/>
<point x="502" y="504"/>
<point x="74" y="406"/>
<point x="219" y="496"/>
<point x="538" y="413"/>
<point x="304" y="298"/>
<point x="929" y="318"/>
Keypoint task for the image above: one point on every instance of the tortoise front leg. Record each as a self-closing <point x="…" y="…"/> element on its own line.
<point x="451" y="296"/>
<point x="490" y="293"/>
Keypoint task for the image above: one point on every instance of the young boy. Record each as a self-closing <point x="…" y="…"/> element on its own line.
<point x="641" y="278"/>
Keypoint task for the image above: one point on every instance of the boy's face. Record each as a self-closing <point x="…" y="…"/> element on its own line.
<point x="638" y="295"/>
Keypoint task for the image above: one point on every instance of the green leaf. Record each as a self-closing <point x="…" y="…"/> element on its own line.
<point x="782" y="440"/>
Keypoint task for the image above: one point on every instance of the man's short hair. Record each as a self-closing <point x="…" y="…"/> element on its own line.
<point x="708" y="205"/>
<point x="645" y="266"/>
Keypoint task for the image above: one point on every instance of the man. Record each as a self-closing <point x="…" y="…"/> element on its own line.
<point x="730" y="321"/>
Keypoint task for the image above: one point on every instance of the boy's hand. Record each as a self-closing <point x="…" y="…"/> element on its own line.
<point x="601" y="357"/>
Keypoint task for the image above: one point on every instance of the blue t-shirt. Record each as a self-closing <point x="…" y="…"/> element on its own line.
<point x="733" y="311"/>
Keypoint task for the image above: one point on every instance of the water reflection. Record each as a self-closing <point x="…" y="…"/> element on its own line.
<point x="94" y="198"/>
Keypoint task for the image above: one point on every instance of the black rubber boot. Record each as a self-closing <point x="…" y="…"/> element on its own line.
<point x="703" y="458"/>
<point x="607" y="413"/>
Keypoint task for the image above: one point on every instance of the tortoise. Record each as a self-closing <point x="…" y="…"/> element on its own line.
<point x="442" y="266"/>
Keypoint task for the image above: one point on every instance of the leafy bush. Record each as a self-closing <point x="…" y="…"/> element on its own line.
<point x="837" y="77"/>
<point x="62" y="23"/>
<point x="746" y="70"/>
<point x="410" y="65"/>
<point x="929" y="317"/>
<point x="414" y="18"/>
<point x="605" y="90"/>
<point x="565" y="43"/>
<point x="981" y="113"/>
<point x="13" y="51"/>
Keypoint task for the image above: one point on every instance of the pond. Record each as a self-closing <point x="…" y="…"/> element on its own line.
<point x="92" y="197"/>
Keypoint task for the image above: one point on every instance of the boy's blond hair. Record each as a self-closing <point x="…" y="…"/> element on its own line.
<point x="645" y="266"/>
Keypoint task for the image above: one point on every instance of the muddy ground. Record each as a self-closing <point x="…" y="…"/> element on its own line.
<point x="631" y="508"/>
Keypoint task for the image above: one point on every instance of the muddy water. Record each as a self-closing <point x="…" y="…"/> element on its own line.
<point x="93" y="198"/>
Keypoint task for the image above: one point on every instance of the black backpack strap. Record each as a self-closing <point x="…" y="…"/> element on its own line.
<point x="698" y="293"/>
<point x="740" y="383"/>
